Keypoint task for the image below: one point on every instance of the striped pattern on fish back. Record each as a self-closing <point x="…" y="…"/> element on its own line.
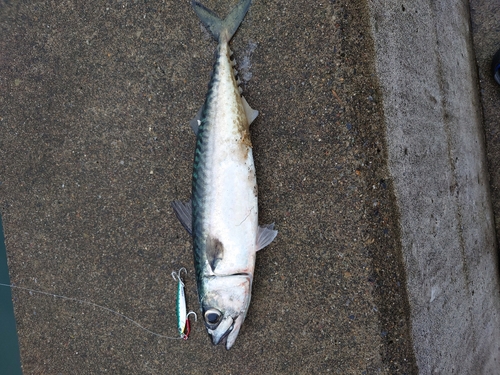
<point x="200" y="169"/>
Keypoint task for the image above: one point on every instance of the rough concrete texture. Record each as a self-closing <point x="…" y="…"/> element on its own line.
<point x="436" y="150"/>
<point x="95" y="99"/>
<point x="485" y="18"/>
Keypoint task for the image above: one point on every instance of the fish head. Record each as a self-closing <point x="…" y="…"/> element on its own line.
<point x="224" y="306"/>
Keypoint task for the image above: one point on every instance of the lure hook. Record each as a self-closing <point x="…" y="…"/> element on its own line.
<point x="192" y="313"/>
<point x="177" y="275"/>
<point x="187" y="330"/>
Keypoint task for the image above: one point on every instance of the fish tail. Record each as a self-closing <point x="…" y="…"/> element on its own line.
<point x="222" y="30"/>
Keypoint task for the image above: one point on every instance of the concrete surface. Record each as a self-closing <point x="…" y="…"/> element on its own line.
<point x="485" y="18"/>
<point x="369" y="160"/>
<point x="427" y="72"/>
<point x="95" y="100"/>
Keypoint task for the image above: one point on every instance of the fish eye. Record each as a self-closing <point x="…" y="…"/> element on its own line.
<point x="212" y="316"/>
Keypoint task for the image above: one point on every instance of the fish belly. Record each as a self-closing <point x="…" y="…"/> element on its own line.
<point x="230" y="206"/>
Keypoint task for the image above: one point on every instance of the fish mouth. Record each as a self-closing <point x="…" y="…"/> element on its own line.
<point x="228" y="337"/>
<point x="222" y="339"/>
<point x="221" y="331"/>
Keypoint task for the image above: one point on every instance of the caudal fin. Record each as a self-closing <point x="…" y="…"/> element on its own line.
<point x="222" y="28"/>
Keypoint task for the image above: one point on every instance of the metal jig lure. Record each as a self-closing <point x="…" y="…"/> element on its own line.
<point x="183" y="324"/>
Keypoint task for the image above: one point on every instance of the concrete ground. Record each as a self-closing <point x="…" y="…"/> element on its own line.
<point x="427" y="71"/>
<point x="95" y="100"/>
<point x="485" y="21"/>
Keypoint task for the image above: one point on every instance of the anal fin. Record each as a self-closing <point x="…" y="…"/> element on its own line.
<point x="250" y="112"/>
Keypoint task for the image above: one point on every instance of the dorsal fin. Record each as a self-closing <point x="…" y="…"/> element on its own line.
<point x="195" y="122"/>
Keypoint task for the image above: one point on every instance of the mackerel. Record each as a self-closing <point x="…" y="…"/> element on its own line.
<point x="223" y="212"/>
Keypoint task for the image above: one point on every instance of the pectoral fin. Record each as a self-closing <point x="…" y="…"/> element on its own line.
<point x="214" y="251"/>
<point x="265" y="235"/>
<point x="184" y="214"/>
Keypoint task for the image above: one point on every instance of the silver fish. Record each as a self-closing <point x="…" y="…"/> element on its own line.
<point x="222" y="213"/>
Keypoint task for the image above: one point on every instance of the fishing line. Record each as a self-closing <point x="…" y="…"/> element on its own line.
<point x="94" y="305"/>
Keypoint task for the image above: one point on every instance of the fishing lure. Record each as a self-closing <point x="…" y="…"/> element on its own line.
<point x="183" y="324"/>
